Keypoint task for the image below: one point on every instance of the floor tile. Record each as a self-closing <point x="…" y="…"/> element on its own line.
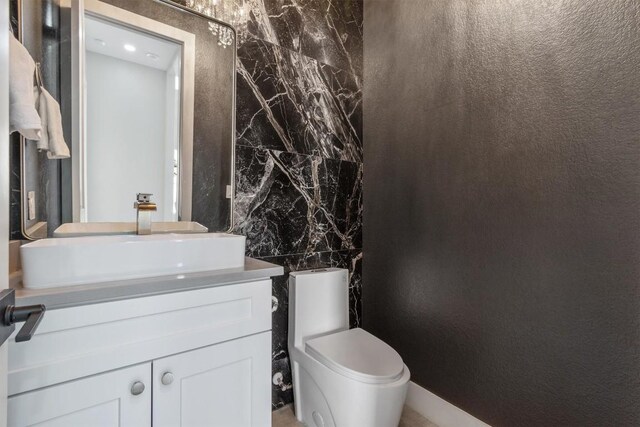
<point x="284" y="417"/>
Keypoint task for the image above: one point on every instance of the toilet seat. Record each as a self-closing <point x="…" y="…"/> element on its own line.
<point x="357" y="354"/>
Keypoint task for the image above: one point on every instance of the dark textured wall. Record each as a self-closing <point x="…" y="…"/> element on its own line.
<point x="502" y="203"/>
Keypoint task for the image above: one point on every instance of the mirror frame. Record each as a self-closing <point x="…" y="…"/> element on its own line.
<point x="76" y="6"/>
<point x="107" y="12"/>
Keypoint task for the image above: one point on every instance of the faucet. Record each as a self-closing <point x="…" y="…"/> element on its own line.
<point x="144" y="206"/>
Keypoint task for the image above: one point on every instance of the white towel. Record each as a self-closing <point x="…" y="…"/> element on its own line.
<point x="23" y="116"/>
<point x="52" y="137"/>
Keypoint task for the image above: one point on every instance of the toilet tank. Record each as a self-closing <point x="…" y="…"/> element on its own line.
<point x="318" y="303"/>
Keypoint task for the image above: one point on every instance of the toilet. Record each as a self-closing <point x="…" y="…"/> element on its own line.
<point x="341" y="377"/>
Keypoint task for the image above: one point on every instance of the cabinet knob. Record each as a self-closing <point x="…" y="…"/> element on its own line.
<point x="137" y="388"/>
<point x="167" y="378"/>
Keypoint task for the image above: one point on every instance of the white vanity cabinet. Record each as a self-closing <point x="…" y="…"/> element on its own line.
<point x="220" y="385"/>
<point x="195" y="358"/>
<point x="103" y="400"/>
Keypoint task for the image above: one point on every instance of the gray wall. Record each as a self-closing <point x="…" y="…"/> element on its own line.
<point x="502" y="203"/>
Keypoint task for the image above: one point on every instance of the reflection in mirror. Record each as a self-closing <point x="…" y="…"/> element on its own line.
<point x="138" y="138"/>
<point x="147" y="97"/>
<point x="35" y="178"/>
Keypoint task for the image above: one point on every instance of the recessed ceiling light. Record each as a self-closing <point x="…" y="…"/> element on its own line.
<point x="129" y="48"/>
<point x="151" y="55"/>
<point x="100" y="42"/>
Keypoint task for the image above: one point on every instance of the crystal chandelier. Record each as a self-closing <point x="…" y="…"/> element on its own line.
<point x="232" y="12"/>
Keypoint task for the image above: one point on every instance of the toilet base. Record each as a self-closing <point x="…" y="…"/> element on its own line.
<point x="324" y="398"/>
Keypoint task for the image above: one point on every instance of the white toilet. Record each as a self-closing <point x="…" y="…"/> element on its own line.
<point x="341" y="377"/>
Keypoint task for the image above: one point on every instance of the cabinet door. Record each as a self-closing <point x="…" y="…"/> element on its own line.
<point x="225" y="385"/>
<point x="107" y="400"/>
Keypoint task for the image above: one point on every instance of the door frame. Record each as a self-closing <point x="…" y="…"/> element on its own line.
<point x="4" y="188"/>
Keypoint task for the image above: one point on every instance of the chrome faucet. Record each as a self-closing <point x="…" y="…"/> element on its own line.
<point x="144" y="206"/>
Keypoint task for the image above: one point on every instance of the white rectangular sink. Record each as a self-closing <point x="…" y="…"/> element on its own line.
<point x="77" y="229"/>
<point x="54" y="262"/>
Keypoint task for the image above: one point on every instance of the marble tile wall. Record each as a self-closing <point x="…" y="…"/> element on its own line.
<point x="299" y="160"/>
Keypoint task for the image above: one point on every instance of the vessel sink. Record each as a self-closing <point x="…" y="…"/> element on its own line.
<point x="77" y="229"/>
<point x="55" y="262"/>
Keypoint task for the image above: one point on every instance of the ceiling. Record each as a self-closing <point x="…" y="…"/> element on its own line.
<point x="110" y="38"/>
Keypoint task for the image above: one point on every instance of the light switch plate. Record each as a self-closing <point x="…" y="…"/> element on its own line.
<point x="31" y="198"/>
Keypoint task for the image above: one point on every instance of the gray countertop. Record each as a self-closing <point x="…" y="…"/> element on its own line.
<point x="71" y="296"/>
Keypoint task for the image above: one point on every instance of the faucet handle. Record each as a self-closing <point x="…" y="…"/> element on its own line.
<point x="144" y="203"/>
<point x="143" y="197"/>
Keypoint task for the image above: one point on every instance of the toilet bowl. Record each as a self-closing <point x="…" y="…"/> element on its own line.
<point x="341" y="377"/>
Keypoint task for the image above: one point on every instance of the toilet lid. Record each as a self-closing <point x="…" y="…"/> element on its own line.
<point x="357" y="354"/>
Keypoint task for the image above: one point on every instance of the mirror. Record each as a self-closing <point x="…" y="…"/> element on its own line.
<point x="147" y="97"/>
<point x="139" y="78"/>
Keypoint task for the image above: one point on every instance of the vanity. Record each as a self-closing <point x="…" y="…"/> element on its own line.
<point x="189" y="349"/>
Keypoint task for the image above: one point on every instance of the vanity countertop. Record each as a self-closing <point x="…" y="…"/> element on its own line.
<point x="71" y="296"/>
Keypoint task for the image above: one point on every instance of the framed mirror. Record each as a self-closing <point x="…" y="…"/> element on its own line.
<point x="147" y="96"/>
<point x="137" y="80"/>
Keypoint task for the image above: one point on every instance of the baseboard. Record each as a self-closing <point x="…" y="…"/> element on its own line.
<point x="438" y="410"/>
